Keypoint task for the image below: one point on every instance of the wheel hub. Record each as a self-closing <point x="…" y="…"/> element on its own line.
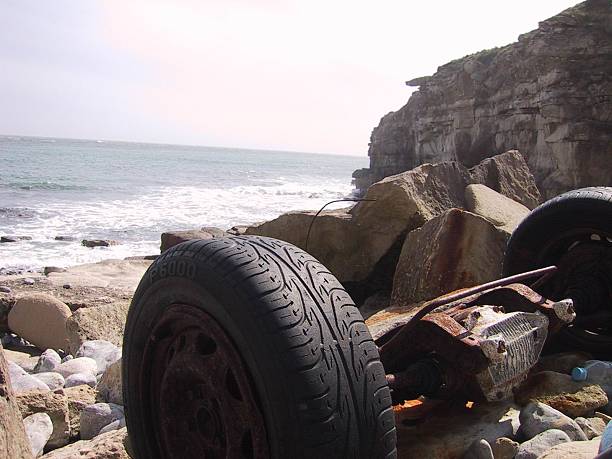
<point x="202" y="399"/>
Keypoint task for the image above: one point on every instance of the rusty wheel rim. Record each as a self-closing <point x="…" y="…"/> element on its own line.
<point x="201" y="396"/>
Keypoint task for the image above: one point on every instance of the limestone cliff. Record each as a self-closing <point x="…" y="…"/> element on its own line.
<point x="548" y="95"/>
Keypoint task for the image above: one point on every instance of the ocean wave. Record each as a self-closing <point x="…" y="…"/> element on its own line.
<point x="16" y="212"/>
<point x="46" y="186"/>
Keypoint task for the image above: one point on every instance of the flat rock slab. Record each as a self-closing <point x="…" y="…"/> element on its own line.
<point x="120" y="274"/>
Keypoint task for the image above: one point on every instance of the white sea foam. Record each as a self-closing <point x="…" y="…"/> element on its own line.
<point x="138" y="221"/>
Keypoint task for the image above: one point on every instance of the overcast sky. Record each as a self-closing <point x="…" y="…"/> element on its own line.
<point x="310" y="75"/>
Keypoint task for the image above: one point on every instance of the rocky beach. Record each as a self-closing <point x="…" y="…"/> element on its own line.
<point x="486" y="139"/>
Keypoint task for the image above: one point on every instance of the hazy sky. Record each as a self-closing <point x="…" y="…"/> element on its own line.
<point x="311" y="75"/>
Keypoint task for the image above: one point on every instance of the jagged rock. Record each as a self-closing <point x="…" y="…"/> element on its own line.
<point x="51" y="379"/>
<point x="38" y="427"/>
<point x="98" y="242"/>
<point x="13" y="439"/>
<point x="560" y="392"/>
<point x="95" y="417"/>
<point x="103" y="352"/>
<point x="105" y="322"/>
<point x="47" y="361"/>
<point x="79" y="379"/>
<point x="455" y="250"/>
<point x="110" y="387"/>
<point x="110" y="445"/>
<point x="41" y="319"/>
<point x="449" y="433"/>
<point x="509" y="175"/>
<point x="55" y="405"/>
<point x="15" y="238"/>
<point x="532" y="449"/>
<point x="78" y="398"/>
<point x="22" y="381"/>
<point x="7" y="301"/>
<point x="365" y="241"/>
<point x="498" y="209"/>
<point x="479" y="449"/>
<point x="537" y="417"/>
<point x="172" y="238"/>
<point x="84" y="365"/>
<point x="547" y="95"/>
<point x="504" y="448"/>
<point x="592" y="427"/>
<point x="573" y="450"/>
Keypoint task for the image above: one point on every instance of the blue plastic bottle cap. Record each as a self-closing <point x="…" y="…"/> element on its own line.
<point x="579" y="374"/>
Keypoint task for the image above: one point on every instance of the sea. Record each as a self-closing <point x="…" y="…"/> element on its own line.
<point x="132" y="192"/>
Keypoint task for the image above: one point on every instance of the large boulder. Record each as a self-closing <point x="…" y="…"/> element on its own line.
<point x="454" y="250"/>
<point x="13" y="439"/>
<point x="172" y="238"/>
<point x="41" y="319"/>
<point x="503" y="212"/>
<point x="562" y="393"/>
<point x="509" y="175"/>
<point x="105" y="322"/>
<point x="110" y="445"/>
<point x="55" y="405"/>
<point x="352" y="245"/>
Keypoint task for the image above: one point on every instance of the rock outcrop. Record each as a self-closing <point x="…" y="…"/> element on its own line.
<point x="549" y="95"/>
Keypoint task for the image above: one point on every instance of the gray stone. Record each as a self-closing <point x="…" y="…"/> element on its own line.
<point x="28" y="281"/>
<point x="573" y="450"/>
<point x="98" y="242"/>
<point x="103" y="352"/>
<point x="78" y="397"/>
<point x="22" y="381"/>
<point x="541" y="443"/>
<point x="95" y="417"/>
<point x="537" y="417"/>
<point x="592" y="427"/>
<point x="78" y="379"/>
<point x="110" y="387"/>
<point x="84" y="365"/>
<point x="504" y="448"/>
<point x="4" y="289"/>
<point x="39" y="428"/>
<point x="53" y="269"/>
<point x="479" y="449"/>
<point x="115" y="425"/>
<point x="51" y="379"/>
<point x="47" y="361"/>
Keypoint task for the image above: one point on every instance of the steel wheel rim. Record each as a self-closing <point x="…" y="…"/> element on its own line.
<point x="201" y="396"/>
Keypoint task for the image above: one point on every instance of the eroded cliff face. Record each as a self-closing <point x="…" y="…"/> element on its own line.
<point x="549" y="95"/>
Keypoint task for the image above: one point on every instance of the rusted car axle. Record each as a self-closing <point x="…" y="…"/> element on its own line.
<point x="481" y="341"/>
